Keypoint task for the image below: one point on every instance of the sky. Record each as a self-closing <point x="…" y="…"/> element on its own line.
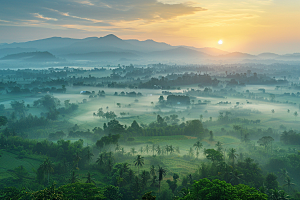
<point x="250" y="26"/>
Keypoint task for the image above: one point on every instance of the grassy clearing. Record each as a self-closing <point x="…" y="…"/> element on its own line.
<point x="9" y="161"/>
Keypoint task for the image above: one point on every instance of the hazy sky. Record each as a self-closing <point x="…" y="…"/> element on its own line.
<point x="252" y="26"/>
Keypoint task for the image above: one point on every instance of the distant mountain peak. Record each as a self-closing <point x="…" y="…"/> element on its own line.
<point x="111" y="37"/>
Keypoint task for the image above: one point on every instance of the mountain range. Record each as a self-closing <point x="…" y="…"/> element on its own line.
<point x="111" y="47"/>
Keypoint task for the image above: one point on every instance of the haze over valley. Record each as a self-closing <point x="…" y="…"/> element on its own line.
<point x="154" y="99"/>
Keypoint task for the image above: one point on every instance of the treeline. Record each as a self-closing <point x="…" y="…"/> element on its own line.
<point x="185" y="79"/>
<point x="27" y="122"/>
<point x="60" y="149"/>
<point x="68" y="191"/>
<point x="158" y="128"/>
<point x="290" y="137"/>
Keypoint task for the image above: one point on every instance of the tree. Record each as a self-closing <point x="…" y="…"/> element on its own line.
<point x="148" y="196"/>
<point x="271" y="181"/>
<point x="47" y="167"/>
<point x="77" y="158"/>
<point x="213" y="155"/>
<point x="205" y="189"/>
<point x="112" y="193"/>
<point x="198" y="145"/>
<point x="100" y="160"/>
<point x="19" y="107"/>
<point x="141" y="150"/>
<point x="161" y="173"/>
<point x="161" y="99"/>
<point x="152" y="170"/>
<point x="194" y="128"/>
<point x="236" y="177"/>
<point x="147" y="148"/>
<point x="48" y="102"/>
<point x="295" y="114"/>
<point x="139" y="162"/>
<point x="89" y="155"/>
<point x="219" y="146"/>
<point x="153" y="181"/>
<point x="144" y="178"/>
<point x="191" y="152"/>
<point x="288" y="183"/>
<point x="73" y="178"/>
<point x="3" y="121"/>
<point x="89" y="178"/>
<point x="133" y="151"/>
<point x="211" y="136"/>
<point x="266" y="141"/>
<point x="283" y="174"/>
<point x="278" y="195"/>
<point x="232" y="155"/>
<point x="153" y="149"/>
<point x="21" y="172"/>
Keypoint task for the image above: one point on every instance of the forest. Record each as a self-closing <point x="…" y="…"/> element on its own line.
<point x="154" y="131"/>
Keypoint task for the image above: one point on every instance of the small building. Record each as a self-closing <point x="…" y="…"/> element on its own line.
<point x="85" y="92"/>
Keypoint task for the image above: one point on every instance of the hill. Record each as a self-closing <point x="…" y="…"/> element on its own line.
<point x="32" y="56"/>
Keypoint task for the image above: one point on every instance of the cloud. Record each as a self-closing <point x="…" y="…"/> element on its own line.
<point x="37" y="15"/>
<point x="89" y="13"/>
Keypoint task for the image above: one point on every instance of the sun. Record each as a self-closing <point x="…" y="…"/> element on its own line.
<point x="220" y="42"/>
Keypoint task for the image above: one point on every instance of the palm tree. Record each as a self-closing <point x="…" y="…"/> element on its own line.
<point x="130" y="175"/>
<point x="77" y="158"/>
<point x="191" y="152"/>
<point x="289" y="183"/>
<point x="232" y="155"/>
<point x="248" y="162"/>
<point x="171" y="149"/>
<point x="133" y="151"/>
<point x="147" y="148"/>
<point x="74" y="178"/>
<point x="144" y="178"/>
<point x="219" y="146"/>
<point x="283" y="173"/>
<point x="123" y="168"/>
<point x="161" y="173"/>
<point x="198" y="145"/>
<point x="235" y="177"/>
<point x="136" y="183"/>
<point x="100" y="159"/>
<point x="47" y="167"/>
<point x="152" y="170"/>
<point x="190" y="178"/>
<point x="141" y="150"/>
<point x="109" y="164"/>
<point x="139" y="161"/>
<point x="122" y="151"/>
<point x="89" y="178"/>
<point x="153" y="181"/>
<point x="89" y="155"/>
<point x="158" y="150"/>
<point x="153" y="149"/>
<point x="167" y="148"/>
<point x="117" y="147"/>
<point x="278" y="195"/>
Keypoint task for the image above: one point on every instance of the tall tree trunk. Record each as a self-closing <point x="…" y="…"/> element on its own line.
<point x="159" y="187"/>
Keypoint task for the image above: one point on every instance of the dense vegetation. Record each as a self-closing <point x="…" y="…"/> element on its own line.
<point x="204" y="137"/>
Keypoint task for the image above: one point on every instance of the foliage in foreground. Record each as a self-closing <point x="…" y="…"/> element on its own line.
<point x="70" y="191"/>
<point x="205" y="189"/>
